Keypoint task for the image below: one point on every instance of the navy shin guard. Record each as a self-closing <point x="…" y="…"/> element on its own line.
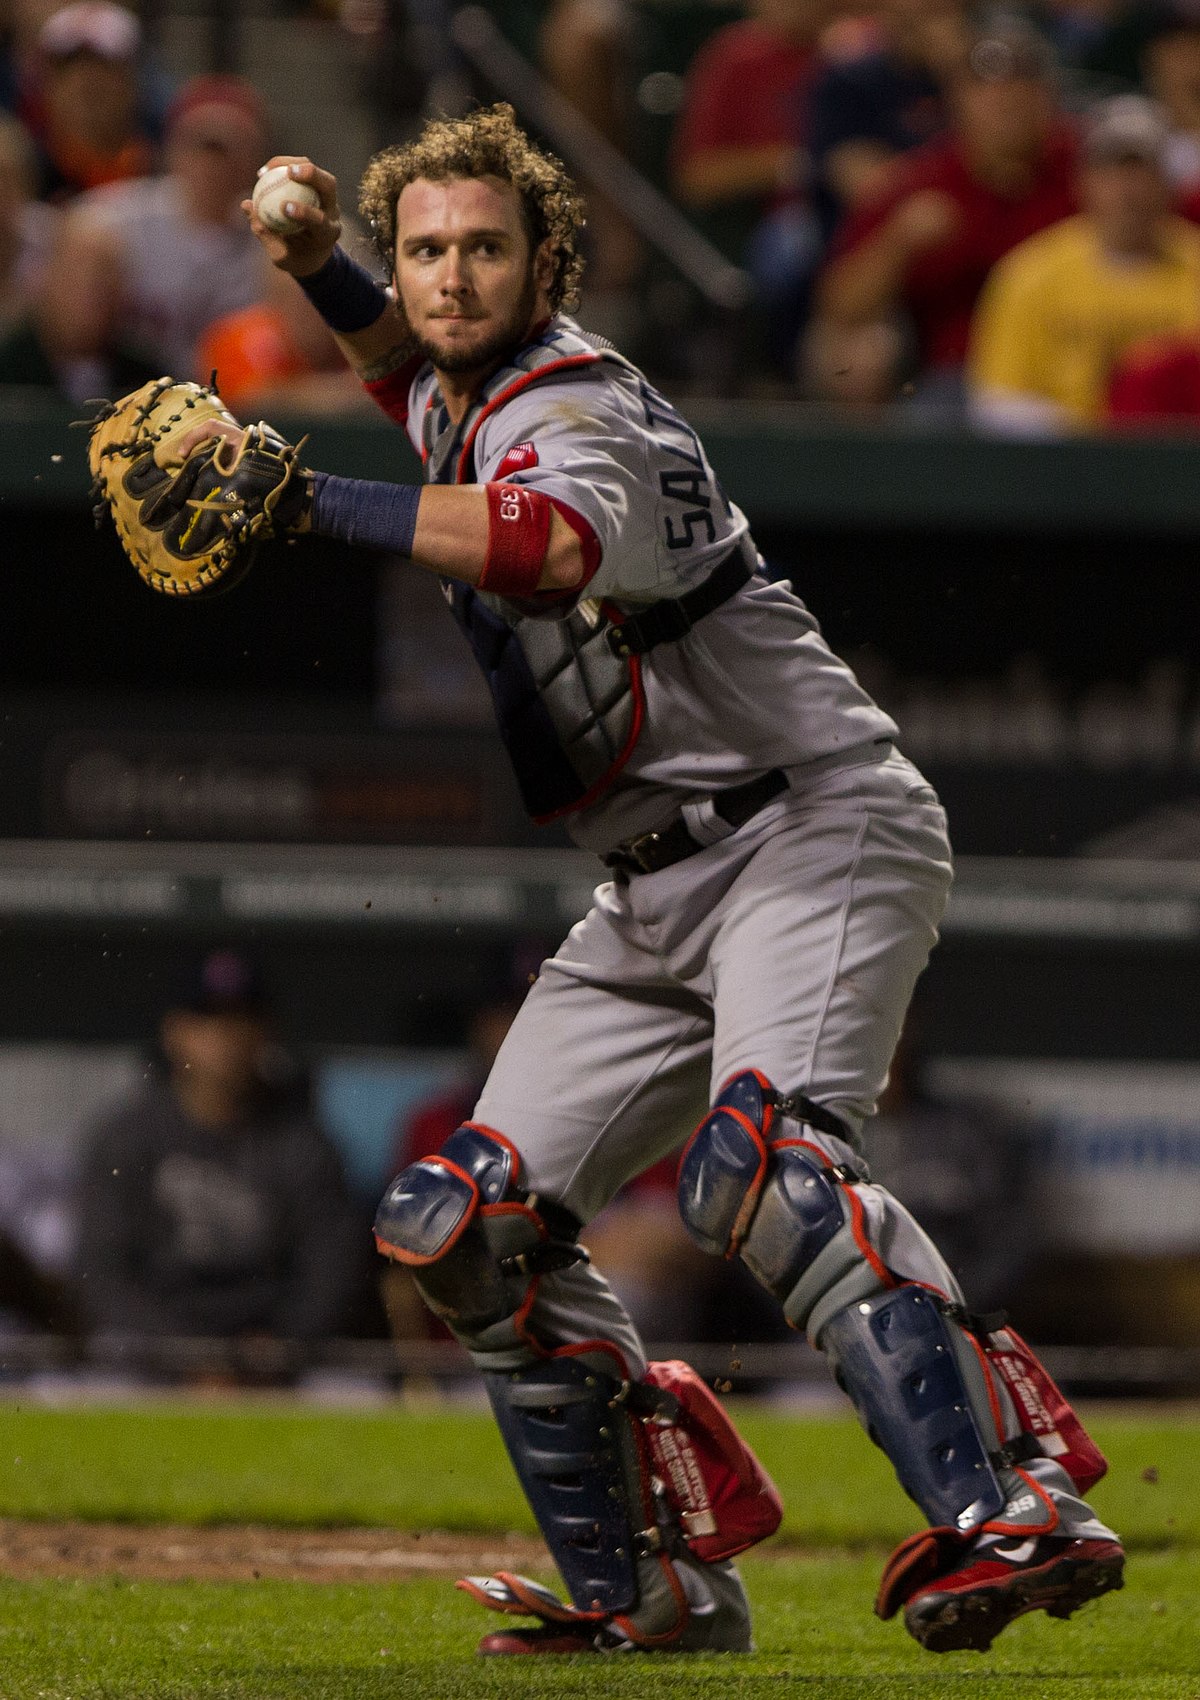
<point x="772" y="1180"/>
<point x="573" y="1450"/>
<point x="902" y="1362"/>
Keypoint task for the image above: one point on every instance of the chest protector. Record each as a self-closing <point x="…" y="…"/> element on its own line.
<point x="569" y="706"/>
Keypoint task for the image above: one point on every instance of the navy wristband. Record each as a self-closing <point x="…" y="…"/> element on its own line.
<point x="344" y="293"/>
<point x="360" y="510"/>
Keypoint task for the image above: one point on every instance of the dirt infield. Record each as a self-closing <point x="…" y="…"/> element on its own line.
<point x="168" y="1553"/>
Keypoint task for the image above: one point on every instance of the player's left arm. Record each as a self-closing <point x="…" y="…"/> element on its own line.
<point x="502" y="537"/>
<point x="460" y="533"/>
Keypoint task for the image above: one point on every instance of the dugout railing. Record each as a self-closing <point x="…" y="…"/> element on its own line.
<point x="767" y="1368"/>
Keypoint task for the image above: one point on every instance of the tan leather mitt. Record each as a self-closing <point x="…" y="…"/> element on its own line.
<point x="190" y="523"/>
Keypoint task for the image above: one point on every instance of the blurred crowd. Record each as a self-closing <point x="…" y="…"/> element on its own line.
<point x="123" y="250"/>
<point x="988" y="215"/>
<point x="205" y="1227"/>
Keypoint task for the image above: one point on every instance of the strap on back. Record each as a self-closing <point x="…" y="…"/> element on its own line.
<point x="673" y="618"/>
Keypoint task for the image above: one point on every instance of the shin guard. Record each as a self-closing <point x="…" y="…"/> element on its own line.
<point x="776" y="1181"/>
<point x="922" y="1396"/>
<point x="576" y="1457"/>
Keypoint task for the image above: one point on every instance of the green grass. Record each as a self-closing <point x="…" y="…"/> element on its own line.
<point x="446" y="1469"/>
<point x="111" y="1640"/>
<point x="279" y="1641"/>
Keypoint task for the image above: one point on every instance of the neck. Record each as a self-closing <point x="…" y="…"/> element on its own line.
<point x="1130" y="245"/>
<point x="1007" y="171"/>
<point x="461" y="389"/>
<point x="208" y="1102"/>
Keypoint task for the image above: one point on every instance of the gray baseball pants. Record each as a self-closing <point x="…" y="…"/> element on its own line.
<point x="792" y="946"/>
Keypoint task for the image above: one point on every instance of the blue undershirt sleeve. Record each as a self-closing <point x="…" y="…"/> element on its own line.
<point x="363" y="510"/>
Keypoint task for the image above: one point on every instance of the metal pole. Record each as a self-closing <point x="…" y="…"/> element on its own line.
<point x="592" y="155"/>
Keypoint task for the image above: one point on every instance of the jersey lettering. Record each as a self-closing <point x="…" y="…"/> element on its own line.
<point x="686" y="538"/>
<point x="684" y="487"/>
<point x="674" y="436"/>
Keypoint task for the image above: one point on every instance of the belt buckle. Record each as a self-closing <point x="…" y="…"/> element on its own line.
<point x="640" y="851"/>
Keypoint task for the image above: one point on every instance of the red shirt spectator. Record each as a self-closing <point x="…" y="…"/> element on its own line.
<point x="942" y="282"/>
<point x="922" y="247"/>
<point x="739" y="132"/>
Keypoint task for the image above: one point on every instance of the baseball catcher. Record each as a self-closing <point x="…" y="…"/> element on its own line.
<point x="777" y="871"/>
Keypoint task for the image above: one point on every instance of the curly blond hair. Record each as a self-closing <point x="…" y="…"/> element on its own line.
<point x="486" y="143"/>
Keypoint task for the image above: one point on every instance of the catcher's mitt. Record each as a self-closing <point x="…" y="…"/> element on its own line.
<point x="190" y="522"/>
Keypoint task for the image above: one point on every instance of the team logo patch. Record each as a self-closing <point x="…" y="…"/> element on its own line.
<point x="519" y="459"/>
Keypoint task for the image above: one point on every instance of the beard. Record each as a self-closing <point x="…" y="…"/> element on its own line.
<point x="504" y="340"/>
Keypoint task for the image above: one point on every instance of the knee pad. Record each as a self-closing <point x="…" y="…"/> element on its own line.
<point x="746" y="1187"/>
<point x="724" y="1165"/>
<point x="472" y="1236"/>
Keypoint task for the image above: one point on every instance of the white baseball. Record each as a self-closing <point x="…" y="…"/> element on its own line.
<point x="272" y="193"/>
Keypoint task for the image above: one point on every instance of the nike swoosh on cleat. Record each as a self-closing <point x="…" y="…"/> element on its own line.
<point x="1018" y="1555"/>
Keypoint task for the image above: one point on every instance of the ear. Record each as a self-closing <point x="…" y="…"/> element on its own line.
<point x="543" y="265"/>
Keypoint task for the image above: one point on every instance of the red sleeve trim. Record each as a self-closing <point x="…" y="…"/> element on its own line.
<point x="589" y="548"/>
<point x="518" y="537"/>
<point x="392" y="391"/>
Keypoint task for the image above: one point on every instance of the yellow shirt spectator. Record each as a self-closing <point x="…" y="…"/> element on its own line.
<point x="1059" y="310"/>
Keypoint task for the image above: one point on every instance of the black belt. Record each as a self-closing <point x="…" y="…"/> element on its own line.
<point x="653" y="851"/>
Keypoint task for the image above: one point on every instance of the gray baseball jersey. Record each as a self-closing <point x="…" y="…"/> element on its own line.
<point x="753" y="686"/>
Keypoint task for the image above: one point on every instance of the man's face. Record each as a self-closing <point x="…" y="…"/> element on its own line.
<point x="1003" y="115"/>
<point x="465" y="276"/>
<point x="1128" y="199"/>
<point x="220" y="1052"/>
<point x="214" y="151"/>
<point x="92" y="95"/>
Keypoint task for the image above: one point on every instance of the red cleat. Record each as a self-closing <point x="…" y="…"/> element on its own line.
<point x="981" y="1588"/>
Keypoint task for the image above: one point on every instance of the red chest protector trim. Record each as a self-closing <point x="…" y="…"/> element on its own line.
<point x="566" y="752"/>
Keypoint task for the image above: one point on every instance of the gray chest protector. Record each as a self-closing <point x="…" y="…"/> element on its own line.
<point x="566" y="688"/>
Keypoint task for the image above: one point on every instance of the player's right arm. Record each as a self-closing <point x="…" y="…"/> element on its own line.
<point x="379" y="347"/>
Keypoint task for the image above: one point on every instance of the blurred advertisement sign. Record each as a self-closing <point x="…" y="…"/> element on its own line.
<point x="121" y="785"/>
<point x="1115" y="1147"/>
